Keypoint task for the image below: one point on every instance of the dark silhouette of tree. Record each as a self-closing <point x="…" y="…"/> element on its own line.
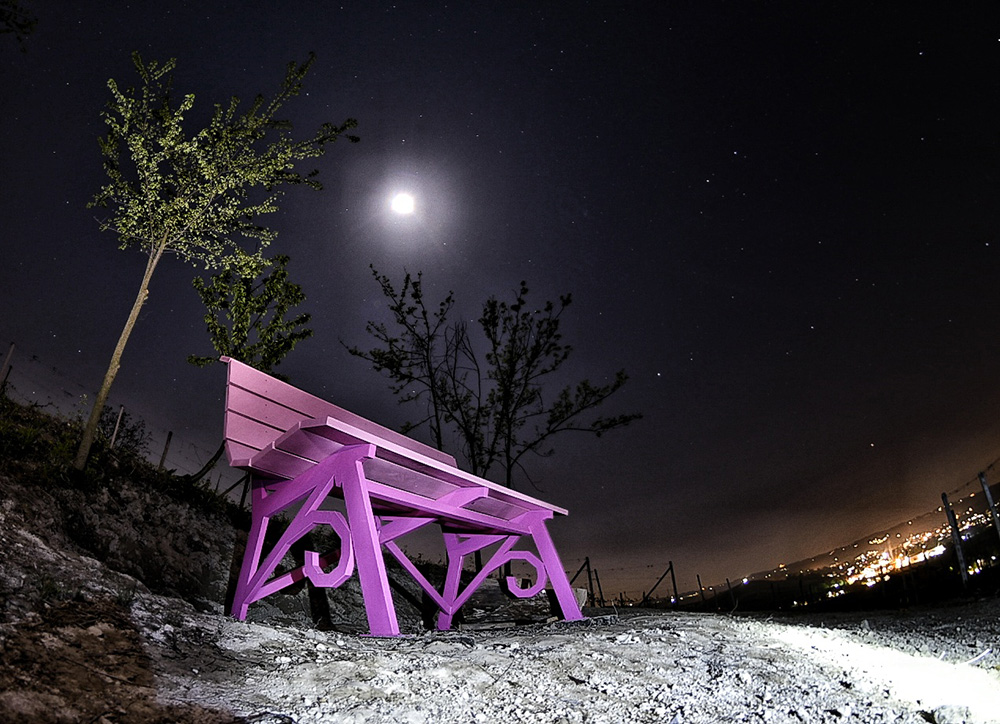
<point x="413" y="360"/>
<point x="191" y="195"/>
<point x="525" y="347"/>
<point x="16" y="20"/>
<point x="495" y="400"/>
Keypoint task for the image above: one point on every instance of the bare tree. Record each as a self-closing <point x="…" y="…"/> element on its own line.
<point x="496" y="402"/>
<point x="411" y="354"/>
<point x="16" y="20"/>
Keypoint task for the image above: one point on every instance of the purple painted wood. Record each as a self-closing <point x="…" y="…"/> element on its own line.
<point x="258" y="406"/>
<point x="301" y="450"/>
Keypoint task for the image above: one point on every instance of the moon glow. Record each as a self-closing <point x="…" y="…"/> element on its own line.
<point x="402" y="204"/>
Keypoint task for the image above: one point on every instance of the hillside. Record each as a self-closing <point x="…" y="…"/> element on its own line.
<point x="112" y="587"/>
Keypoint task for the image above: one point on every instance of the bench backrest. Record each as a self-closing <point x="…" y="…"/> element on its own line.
<point x="259" y="408"/>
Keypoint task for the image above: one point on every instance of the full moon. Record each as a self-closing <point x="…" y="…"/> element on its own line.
<point x="402" y="204"/>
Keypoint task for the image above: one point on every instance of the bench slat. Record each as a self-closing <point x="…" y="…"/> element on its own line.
<point x="263" y="410"/>
<point x="389" y="473"/>
<point x="296" y="450"/>
<point x="453" y="517"/>
<point x="275" y="461"/>
<point x="488" y="513"/>
<point x="337" y="429"/>
<point x="239" y="455"/>
<point x="279" y="460"/>
<point x="252" y="394"/>
<point x="248" y="432"/>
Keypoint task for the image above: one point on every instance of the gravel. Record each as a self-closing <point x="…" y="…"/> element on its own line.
<point x="84" y="639"/>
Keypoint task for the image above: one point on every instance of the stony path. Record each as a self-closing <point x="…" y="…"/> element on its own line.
<point x="648" y="668"/>
<point x="81" y="642"/>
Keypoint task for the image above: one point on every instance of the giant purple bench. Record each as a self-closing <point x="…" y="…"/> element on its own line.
<point x="301" y="449"/>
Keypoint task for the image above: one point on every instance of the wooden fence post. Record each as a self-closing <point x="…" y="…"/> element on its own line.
<point x="118" y="422"/>
<point x="592" y="600"/>
<point x="645" y="597"/>
<point x="3" y="382"/>
<point x="590" y="584"/>
<point x="5" y="369"/>
<point x="956" y="536"/>
<point x="166" y="447"/>
<point x="246" y="487"/>
<point x="989" y="501"/>
<point x="600" y="591"/>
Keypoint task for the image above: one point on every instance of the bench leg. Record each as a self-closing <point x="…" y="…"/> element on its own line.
<point x="456" y="558"/>
<point x="547" y="565"/>
<point x="459" y="546"/>
<point x="251" y="557"/>
<point x="368" y="553"/>
<point x="554" y="569"/>
<point x="314" y="485"/>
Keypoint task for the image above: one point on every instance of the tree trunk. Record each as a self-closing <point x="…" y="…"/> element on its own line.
<point x="195" y="477"/>
<point x="508" y="460"/>
<point x="90" y="430"/>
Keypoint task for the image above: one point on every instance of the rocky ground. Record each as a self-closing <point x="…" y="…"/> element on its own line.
<point x="111" y="611"/>
<point x="646" y="667"/>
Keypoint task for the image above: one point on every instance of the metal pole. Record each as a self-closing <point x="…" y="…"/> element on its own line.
<point x="701" y="588"/>
<point x="673" y="580"/>
<point x="989" y="501"/>
<point x="957" y="537"/>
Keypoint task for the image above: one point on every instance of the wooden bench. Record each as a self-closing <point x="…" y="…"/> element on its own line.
<point x="300" y="449"/>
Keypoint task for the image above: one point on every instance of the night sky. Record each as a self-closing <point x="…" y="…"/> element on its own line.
<point x="780" y="218"/>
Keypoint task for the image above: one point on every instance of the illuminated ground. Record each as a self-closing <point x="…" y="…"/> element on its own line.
<point x="644" y="668"/>
<point x="647" y="668"/>
<point x="113" y="652"/>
